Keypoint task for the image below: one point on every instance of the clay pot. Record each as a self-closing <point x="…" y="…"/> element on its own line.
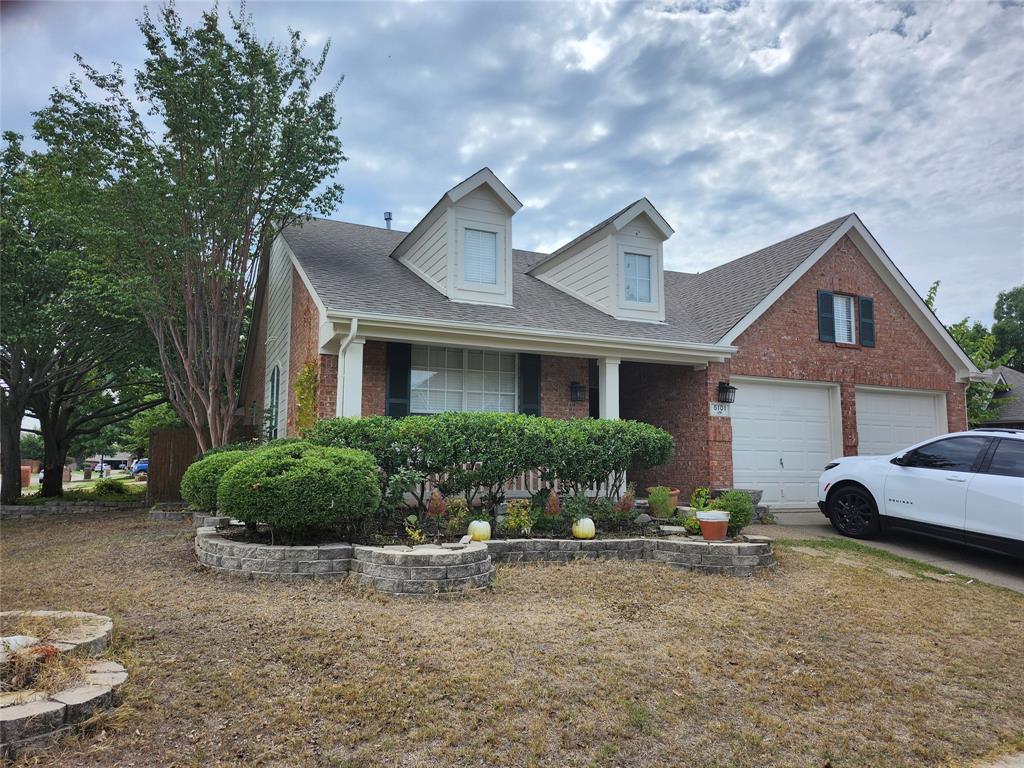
<point x="673" y="496"/>
<point x="713" y="525"/>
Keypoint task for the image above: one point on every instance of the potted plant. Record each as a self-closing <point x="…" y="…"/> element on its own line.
<point x="673" y="496"/>
<point x="713" y="524"/>
<point x="661" y="502"/>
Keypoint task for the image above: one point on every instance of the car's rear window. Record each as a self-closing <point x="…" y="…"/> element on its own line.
<point x="1008" y="459"/>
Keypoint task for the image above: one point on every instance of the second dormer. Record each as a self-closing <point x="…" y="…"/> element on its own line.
<point x="616" y="266"/>
<point x="463" y="246"/>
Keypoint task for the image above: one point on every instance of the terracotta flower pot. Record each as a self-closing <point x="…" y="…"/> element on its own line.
<point x="713" y="525"/>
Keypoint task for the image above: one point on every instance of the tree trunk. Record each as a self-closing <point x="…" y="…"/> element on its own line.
<point x="10" y="451"/>
<point x="56" y="453"/>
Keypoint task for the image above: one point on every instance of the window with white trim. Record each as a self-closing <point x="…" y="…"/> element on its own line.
<point x="450" y="379"/>
<point x="637" y="278"/>
<point x="845" y="319"/>
<point x="480" y="257"/>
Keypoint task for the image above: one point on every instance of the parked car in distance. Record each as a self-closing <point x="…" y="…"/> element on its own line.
<point x="964" y="487"/>
<point x="140" y="466"/>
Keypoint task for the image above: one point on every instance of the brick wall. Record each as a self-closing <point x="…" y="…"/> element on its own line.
<point x="556" y="374"/>
<point x="304" y="344"/>
<point x="375" y="378"/>
<point x="783" y="343"/>
<point x="327" y="387"/>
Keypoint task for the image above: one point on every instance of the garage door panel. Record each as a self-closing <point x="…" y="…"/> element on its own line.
<point x="791" y="422"/>
<point x="890" y="420"/>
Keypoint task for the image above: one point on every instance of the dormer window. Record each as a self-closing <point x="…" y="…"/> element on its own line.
<point x="637" y="278"/>
<point x="480" y="265"/>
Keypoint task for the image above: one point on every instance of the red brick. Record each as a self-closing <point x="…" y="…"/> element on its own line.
<point x="556" y="375"/>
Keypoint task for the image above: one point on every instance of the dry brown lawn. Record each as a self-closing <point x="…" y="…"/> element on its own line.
<point x="831" y="661"/>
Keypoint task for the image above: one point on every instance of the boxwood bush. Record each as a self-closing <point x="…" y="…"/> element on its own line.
<point x="200" y="481"/>
<point x="740" y="507"/>
<point x="299" y="487"/>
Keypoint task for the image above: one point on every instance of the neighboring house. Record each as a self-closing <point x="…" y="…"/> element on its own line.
<point x="1008" y="403"/>
<point x="831" y="351"/>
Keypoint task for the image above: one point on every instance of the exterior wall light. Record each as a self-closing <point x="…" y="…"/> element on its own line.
<point x="578" y="392"/>
<point x="726" y="392"/>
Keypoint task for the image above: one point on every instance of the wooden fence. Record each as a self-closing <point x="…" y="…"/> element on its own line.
<point x="171" y="450"/>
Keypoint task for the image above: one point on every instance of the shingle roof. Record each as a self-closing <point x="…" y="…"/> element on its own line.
<point x="349" y="267"/>
<point x="1012" y="408"/>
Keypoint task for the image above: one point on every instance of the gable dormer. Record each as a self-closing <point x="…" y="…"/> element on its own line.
<point x="463" y="246"/>
<point x="617" y="266"/>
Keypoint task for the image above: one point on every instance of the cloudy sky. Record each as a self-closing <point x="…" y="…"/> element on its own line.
<point x="743" y="122"/>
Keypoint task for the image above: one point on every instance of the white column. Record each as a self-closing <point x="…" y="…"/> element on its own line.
<point x="608" y="387"/>
<point x="349" y="398"/>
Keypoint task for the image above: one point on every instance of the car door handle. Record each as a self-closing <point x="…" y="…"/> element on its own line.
<point x="957" y="479"/>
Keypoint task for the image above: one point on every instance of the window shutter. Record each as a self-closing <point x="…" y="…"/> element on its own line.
<point x="826" y="317"/>
<point x="529" y="384"/>
<point x="399" y="363"/>
<point x="867" y="321"/>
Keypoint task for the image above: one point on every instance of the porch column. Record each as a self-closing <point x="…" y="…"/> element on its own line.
<point x="608" y="387"/>
<point x="350" y="379"/>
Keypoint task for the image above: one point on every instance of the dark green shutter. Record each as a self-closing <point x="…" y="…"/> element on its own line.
<point x="867" y="321"/>
<point x="826" y="317"/>
<point x="529" y="384"/>
<point x="399" y="360"/>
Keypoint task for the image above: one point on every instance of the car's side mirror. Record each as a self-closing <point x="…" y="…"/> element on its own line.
<point x="899" y="461"/>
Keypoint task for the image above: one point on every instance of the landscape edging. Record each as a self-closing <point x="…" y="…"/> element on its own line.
<point x="20" y="511"/>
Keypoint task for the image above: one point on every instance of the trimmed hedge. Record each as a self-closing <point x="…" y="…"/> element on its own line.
<point x="299" y="486"/>
<point x="200" y="481"/>
<point x="478" y="454"/>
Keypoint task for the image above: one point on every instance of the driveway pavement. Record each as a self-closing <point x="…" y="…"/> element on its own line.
<point x="984" y="566"/>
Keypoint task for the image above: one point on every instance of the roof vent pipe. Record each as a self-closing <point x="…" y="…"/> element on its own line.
<point x="387" y="219"/>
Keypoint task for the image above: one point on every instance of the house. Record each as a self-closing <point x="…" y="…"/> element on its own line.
<point x="829" y="348"/>
<point x="1008" y="401"/>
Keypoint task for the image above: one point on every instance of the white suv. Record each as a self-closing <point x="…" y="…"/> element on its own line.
<point x="966" y="487"/>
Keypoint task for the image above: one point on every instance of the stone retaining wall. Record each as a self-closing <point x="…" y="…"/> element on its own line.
<point x="18" y="511"/>
<point x="741" y="558"/>
<point x="430" y="569"/>
<point x="170" y="510"/>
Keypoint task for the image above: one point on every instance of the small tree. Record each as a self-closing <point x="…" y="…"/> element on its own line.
<point x="1008" y="327"/>
<point x="237" y="147"/>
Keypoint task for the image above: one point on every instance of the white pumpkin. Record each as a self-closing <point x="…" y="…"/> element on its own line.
<point x="479" y="530"/>
<point x="583" y="529"/>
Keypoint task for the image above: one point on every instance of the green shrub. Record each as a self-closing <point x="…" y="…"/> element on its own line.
<point x="658" y="499"/>
<point x="458" y="516"/>
<point x="109" y="486"/>
<point x="740" y="507"/>
<point x="699" y="498"/>
<point x="519" y="517"/>
<point x="298" y="487"/>
<point x="200" y="481"/>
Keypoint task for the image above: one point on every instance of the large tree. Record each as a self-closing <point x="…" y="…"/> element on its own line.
<point x="1008" y="327"/>
<point x="235" y="144"/>
<point x="91" y="359"/>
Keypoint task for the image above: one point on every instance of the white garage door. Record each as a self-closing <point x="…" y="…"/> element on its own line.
<point x="890" y="420"/>
<point x="782" y="437"/>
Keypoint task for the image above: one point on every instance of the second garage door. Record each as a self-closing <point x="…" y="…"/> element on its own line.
<point x="889" y="420"/>
<point x="783" y="434"/>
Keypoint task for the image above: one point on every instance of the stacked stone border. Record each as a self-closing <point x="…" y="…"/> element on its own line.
<point x="31" y="719"/>
<point x="174" y="511"/>
<point x="24" y="511"/>
<point x="429" y="569"/>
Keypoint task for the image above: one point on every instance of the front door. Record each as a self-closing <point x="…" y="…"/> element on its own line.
<point x="930" y="486"/>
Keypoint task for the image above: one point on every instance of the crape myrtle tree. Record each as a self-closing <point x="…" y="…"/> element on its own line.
<point x="73" y="351"/>
<point x="234" y="143"/>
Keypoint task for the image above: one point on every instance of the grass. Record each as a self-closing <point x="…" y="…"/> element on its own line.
<point x="135" y="490"/>
<point x="587" y="664"/>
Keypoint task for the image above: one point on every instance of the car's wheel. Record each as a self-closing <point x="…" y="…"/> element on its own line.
<point x="852" y="512"/>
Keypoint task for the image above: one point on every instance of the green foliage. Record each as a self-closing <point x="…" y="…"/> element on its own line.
<point x="699" y="498"/>
<point x="980" y="345"/>
<point x="459" y="515"/>
<point x="200" y="482"/>
<point x="298" y="487"/>
<point x="691" y="524"/>
<point x="135" y="436"/>
<point x="109" y="486"/>
<point x="31" y="446"/>
<point x="1008" y="327"/>
<point x="519" y="517"/>
<point x="659" y="501"/>
<point x="413" y="532"/>
<point x="307" y="385"/>
<point x="740" y="507"/>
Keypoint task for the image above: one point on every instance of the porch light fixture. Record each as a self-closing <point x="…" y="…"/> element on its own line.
<point x="726" y="392"/>
<point x="577" y="392"/>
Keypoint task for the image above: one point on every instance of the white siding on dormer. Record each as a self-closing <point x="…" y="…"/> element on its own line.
<point x="279" y="325"/>
<point x="429" y="256"/>
<point x="484" y="211"/>
<point x="586" y="275"/>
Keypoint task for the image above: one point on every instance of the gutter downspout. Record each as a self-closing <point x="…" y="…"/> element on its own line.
<point x="339" y="400"/>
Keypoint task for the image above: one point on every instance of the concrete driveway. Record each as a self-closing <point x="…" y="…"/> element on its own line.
<point x="984" y="566"/>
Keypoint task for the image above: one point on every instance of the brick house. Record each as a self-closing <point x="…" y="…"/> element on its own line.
<point x="829" y="348"/>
